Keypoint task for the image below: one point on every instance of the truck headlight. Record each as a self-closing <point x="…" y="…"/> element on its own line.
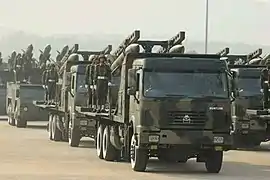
<point x="245" y="126"/>
<point x="218" y="140"/>
<point x="153" y="138"/>
<point x="25" y="109"/>
<point x="83" y="122"/>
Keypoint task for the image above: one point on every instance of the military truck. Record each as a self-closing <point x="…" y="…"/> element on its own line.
<point x="156" y="120"/>
<point x="134" y="128"/>
<point x="65" y="124"/>
<point x="19" y="98"/>
<point x="160" y="111"/>
<point x="247" y="131"/>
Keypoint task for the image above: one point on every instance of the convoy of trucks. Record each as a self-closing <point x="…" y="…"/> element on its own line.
<point x="165" y="104"/>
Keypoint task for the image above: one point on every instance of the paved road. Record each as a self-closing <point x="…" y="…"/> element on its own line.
<point x="27" y="154"/>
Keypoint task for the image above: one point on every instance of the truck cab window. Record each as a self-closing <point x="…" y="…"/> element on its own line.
<point x="138" y="81"/>
<point x="73" y="82"/>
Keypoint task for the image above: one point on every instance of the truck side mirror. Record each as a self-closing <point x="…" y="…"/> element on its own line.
<point x="132" y="82"/>
<point x="131" y="91"/>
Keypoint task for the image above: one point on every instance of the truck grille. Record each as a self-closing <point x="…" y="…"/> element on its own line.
<point x="190" y="119"/>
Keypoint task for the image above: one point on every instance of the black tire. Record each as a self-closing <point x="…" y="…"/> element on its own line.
<point x="21" y="123"/>
<point x="138" y="157"/>
<point x="110" y="153"/>
<point x="74" y="136"/>
<point x="50" y="127"/>
<point x="99" y="141"/>
<point x="11" y="120"/>
<point x="214" y="161"/>
<point x="56" y="133"/>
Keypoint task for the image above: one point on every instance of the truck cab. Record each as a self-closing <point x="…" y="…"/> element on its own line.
<point x="20" y="108"/>
<point x="65" y="122"/>
<point x="249" y="131"/>
<point x="178" y="107"/>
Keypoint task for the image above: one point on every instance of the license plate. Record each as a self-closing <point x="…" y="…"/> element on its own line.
<point x="83" y="123"/>
<point x="245" y="126"/>
<point x="218" y="140"/>
<point x="153" y="138"/>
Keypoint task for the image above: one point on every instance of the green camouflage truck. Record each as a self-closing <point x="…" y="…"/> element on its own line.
<point x="249" y="131"/>
<point x="170" y="106"/>
<point x="65" y="123"/>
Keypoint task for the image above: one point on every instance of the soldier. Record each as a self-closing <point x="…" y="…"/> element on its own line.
<point x="1" y="59"/>
<point x="94" y="86"/>
<point x="12" y="60"/>
<point x="51" y="80"/>
<point x="264" y="85"/>
<point x="19" y="67"/>
<point x="27" y="67"/>
<point x="102" y="76"/>
<point x="44" y="83"/>
<point x="89" y="84"/>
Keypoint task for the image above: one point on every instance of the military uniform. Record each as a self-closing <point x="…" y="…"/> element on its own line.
<point x="27" y="67"/>
<point x="44" y="83"/>
<point x="102" y="76"/>
<point x="265" y="78"/>
<point x="1" y="59"/>
<point x="12" y="61"/>
<point x="89" y="83"/>
<point x="51" y="80"/>
<point x="19" y="68"/>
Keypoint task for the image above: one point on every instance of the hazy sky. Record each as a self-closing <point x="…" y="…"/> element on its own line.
<point x="229" y="20"/>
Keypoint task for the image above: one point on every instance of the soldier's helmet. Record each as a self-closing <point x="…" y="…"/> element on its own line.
<point x="102" y="57"/>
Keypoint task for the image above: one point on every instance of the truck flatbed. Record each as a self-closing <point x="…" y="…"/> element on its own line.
<point x="265" y="112"/>
<point x="87" y="112"/>
<point x="41" y="104"/>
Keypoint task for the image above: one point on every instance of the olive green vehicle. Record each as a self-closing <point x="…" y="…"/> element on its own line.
<point x="249" y="131"/>
<point x="171" y="106"/>
<point x="20" y="108"/>
<point x="65" y="123"/>
<point x="20" y="94"/>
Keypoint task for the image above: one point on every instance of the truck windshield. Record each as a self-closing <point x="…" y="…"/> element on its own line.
<point x="249" y="86"/>
<point x="182" y="84"/>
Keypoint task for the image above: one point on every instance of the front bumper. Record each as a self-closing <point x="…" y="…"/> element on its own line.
<point x="195" y="139"/>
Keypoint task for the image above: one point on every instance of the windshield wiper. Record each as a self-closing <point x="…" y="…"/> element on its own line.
<point x="211" y="96"/>
<point x="175" y="95"/>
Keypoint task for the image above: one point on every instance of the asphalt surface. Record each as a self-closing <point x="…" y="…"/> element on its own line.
<point x="27" y="154"/>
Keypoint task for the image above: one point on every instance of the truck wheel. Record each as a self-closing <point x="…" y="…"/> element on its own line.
<point x="11" y="120"/>
<point x="99" y="141"/>
<point x="56" y="133"/>
<point x="50" y="127"/>
<point x="138" y="157"/>
<point x="74" y="136"/>
<point x="213" y="161"/>
<point x="21" y="123"/>
<point x="110" y="153"/>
